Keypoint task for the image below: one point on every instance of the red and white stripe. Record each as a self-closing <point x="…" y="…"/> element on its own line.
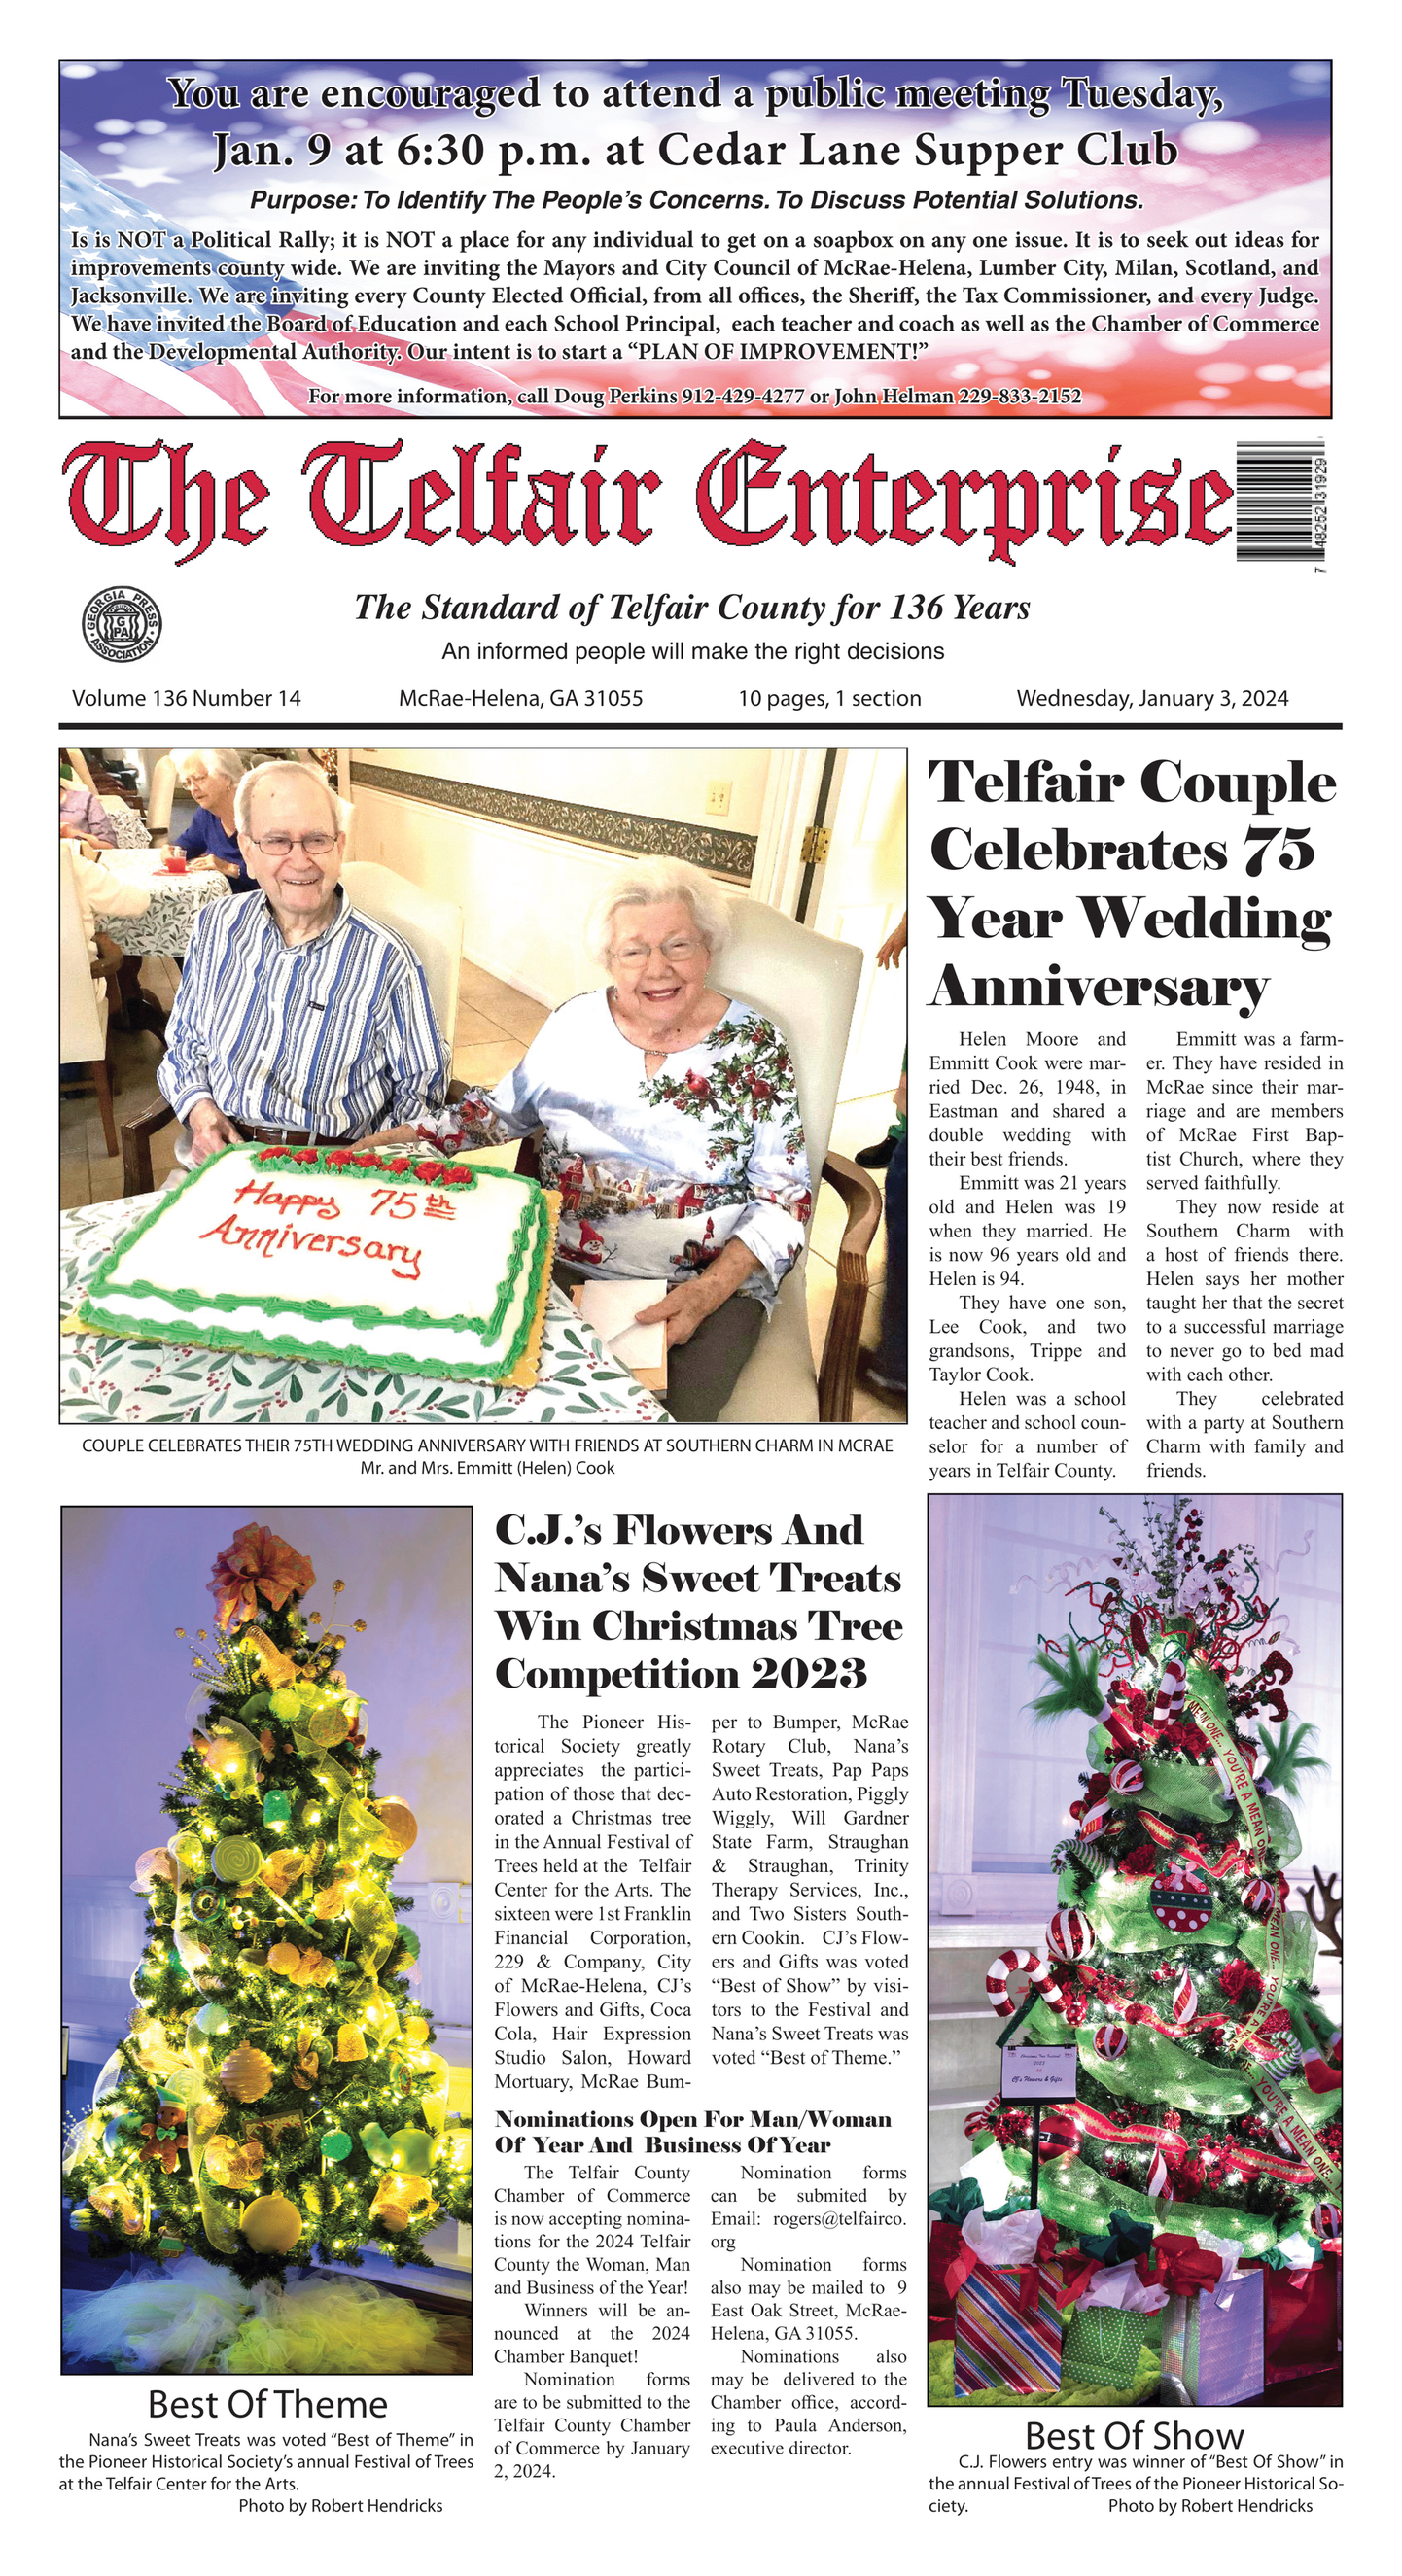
<point x="1169" y="1701"/>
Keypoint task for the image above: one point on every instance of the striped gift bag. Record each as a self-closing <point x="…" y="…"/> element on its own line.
<point x="1007" y="2331"/>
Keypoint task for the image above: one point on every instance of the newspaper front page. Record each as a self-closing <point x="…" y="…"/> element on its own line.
<point x="719" y="863"/>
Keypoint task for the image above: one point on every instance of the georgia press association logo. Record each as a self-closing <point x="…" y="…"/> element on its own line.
<point x="122" y="624"/>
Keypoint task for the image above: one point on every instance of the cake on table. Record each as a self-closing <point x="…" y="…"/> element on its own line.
<point x="340" y="1253"/>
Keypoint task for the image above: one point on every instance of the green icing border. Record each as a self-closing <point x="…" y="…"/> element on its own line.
<point x="360" y="1318"/>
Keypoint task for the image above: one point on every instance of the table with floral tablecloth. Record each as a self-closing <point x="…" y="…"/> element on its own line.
<point x="163" y="930"/>
<point x="104" y="1378"/>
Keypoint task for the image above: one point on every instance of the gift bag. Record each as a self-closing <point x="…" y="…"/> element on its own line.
<point x="1302" y="2320"/>
<point x="1214" y="2342"/>
<point x="1101" y="2347"/>
<point x="946" y="2244"/>
<point x="1007" y="2331"/>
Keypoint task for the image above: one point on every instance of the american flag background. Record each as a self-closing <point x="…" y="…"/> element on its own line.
<point x="132" y="160"/>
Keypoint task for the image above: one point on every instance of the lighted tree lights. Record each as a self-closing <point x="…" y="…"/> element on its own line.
<point x="277" y="2100"/>
<point x="1209" y="2087"/>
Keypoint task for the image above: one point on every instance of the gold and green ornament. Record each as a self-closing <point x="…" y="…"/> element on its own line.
<point x="115" y="2205"/>
<point x="235" y="1859"/>
<point x="205" y="1904"/>
<point x="282" y="1870"/>
<point x="273" y="2224"/>
<point x="377" y="2146"/>
<point x="399" y="2199"/>
<point x="412" y="2150"/>
<point x="247" y="2073"/>
<point x="274" y="1666"/>
<point x="304" y="2073"/>
<point x="336" y="2146"/>
<point x="234" y="2163"/>
<point x="277" y="1807"/>
<point x="398" y="1825"/>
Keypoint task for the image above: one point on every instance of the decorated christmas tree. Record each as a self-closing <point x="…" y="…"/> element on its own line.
<point x="1208" y="2094"/>
<point x="277" y="2100"/>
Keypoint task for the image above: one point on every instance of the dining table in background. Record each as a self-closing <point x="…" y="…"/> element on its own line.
<point x="163" y="930"/>
<point x="105" y="1378"/>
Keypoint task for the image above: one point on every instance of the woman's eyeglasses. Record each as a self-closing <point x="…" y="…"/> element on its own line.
<point x="677" y="952"/>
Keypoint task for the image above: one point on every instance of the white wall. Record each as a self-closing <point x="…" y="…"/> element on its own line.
<point x="862" y="898"/>
<point x="524" y="898"/>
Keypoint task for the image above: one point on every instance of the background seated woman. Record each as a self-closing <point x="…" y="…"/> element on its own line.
<point x="211" y="839"/>
<point x="671" y="1129"/>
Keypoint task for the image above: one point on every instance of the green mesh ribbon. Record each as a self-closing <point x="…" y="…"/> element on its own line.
<point x="1081" y="2200"/>
<point x="1300" y="1944"/>
<point x="1285" y="1833"/>
<point x="1120" y="1914"/>
<point x="1183" y="1789"/>
<point x="1157" y="2068"/>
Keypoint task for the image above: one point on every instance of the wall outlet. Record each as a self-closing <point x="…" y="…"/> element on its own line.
<point x="717" y="795"/>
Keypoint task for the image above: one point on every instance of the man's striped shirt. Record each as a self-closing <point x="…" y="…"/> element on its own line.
<point x="335" y="1035"/>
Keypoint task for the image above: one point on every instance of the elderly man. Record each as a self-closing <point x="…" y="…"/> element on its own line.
<point x="298" y="1020"/>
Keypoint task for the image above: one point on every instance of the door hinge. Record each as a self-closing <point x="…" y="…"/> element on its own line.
<point x="815" y="845"/>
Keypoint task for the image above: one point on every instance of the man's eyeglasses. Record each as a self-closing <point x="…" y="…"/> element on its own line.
<point x="280" y="845"/>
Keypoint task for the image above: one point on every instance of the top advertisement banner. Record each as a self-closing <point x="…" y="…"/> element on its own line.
<point x="1040" y="239"/>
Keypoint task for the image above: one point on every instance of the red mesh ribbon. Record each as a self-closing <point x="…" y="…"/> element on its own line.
<point x="1064" y="2126"/>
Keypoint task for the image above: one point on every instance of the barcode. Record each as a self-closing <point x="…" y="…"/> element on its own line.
<point x="1281" y="508"/>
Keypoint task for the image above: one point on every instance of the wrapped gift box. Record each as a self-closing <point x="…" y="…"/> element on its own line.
<point x="1007" y="2331"/>
<point x="1101" y="2347"/>
<point x="1302" y="2320"/>
<point x="1216" y="2346"/>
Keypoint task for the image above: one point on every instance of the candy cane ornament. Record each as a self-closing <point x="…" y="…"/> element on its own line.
<point x="1091" y="1812"/>
<point x="1169" y="1700"/>
<point x="1040" y="1974"/>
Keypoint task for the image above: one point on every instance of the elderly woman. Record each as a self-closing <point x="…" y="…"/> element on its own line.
<point x="211" y="778"/>
<point x="671" y="1130"/>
